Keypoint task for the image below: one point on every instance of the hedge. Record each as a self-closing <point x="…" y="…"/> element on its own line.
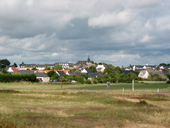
<point x="17" y="77"/>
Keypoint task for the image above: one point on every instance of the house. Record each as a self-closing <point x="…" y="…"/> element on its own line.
<point x="64" y="65"/>
<point x="146" y="73"/>
<point x="84" y="64"/>
<point x="66" y="72"/>
<point x="164" y="67"/>
<point x="25" y="72"/>
<point x="42" y="77"/>
<point x="143" y="67"/>
<point x="11" y="69"/>
<point x="95" y="74"/>
<point x="76" y="73"/>
<point x="26" y="66"/>
<point x="60" y="73"/>
<point x="37" y="66"/>
<point x="100" y="68"/>
<point x="127" y="71"/>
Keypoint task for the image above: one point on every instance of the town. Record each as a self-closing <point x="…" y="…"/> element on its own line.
<point x="86" y="71"/>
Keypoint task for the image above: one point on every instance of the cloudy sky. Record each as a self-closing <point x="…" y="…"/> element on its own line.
<point x="120" y="32"/>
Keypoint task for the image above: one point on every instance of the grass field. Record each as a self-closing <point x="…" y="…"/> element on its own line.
<point x="84" y="106"/>
<point x="145" y="86"/>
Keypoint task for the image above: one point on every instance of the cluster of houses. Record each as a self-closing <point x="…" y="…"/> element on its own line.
<point x="82" y="67"/>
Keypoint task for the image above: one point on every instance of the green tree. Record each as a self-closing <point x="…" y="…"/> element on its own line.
<point x="14" y="65"/>
<point x="51" y="73"/>
<point x="34" y="68"/>
<point x="168" y="75"/>
<point x="58" y="67"/>
<point x="4" y="63"/>
<point x="158" y="68"/>
<point x="93" y="69"/>
<point x="55" y="77"/>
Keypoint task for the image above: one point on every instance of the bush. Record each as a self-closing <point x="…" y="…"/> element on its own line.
<point x="95" y="82"/>
<point x="88" y="82"/>
<point x="17" y="77"/>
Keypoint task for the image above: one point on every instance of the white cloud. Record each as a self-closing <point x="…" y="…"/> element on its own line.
<point x="142" y="3"/>
<point x="163" y="23"/>
<point x="54" y="30"/>
<point x="146" y="38"/>
<point x="113" y="19"/>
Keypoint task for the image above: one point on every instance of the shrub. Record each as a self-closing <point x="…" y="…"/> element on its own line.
<point x="88" y="82"/>
<point x="17" y="77"/>
<point x="95" y="82"/>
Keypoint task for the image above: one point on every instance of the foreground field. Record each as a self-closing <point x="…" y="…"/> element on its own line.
<point x="83" y="109"/>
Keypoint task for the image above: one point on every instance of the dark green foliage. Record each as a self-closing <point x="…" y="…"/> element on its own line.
<point x="93" y="69"/>
<point x="117" y="75"/>
<point x="51" y="73"/>
<point x="163" y="64"/>
<point x="34" y="68"/>
<point x="17" y="77"/>
<point x="88" y="82"/>
<point x="4" y="63"/>
<point x="55" y="77"/>
<point x="58" y="67"/>
<point x="14" y="65"/>
<point x="3" y="70"/>
<point x="85" y="76"/>
<point x="95" y="82"/>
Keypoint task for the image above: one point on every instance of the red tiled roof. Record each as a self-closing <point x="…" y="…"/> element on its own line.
<point x="15" y="69"/>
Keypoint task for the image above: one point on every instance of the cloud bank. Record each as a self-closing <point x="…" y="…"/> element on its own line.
<point x="118" y="32"/>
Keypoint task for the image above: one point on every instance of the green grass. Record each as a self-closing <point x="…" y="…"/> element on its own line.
<point x="151" y="87"/>
<point x="74" y="109"/>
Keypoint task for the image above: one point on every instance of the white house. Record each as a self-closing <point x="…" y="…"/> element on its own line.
<point x="42" y="77"/>
<point x="100" y="68"/>
<point x="146" y="73"/>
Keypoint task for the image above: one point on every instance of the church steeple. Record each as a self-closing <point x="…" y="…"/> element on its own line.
<point x="88" y="58"/>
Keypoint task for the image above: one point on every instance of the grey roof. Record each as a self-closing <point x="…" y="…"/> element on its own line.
<point x="166" y="67"/>
<point x="84" y="62"/>
<point x="96" y="74"/>
<point x="127" y="72"/>
<point x="40" y="74"/>
<point x="25" y="72"/>
<point x="88" y="71"/>
<point x="77" y="73"/>
<point x="160" y="73"/>
<point x="61" y="73"/>
<point x="27" y="65"/>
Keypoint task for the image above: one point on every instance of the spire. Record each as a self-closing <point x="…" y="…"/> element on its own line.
<point x="88" y="58"/>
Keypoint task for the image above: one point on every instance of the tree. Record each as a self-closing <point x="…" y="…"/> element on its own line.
<point x="58" y="67"/>
<point x="14" y="65"/>
<point x="55" y="77"/>
<point x="34" y="68"/>
<point x="51" y="73"/>
<point x="168" y="75"/>
<point x="93" y="69"/>
<point x="4" y="63"/>
<point x="158" y="68"/>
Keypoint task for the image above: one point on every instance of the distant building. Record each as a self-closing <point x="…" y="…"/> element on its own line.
<point x="84" y="64"/>
<point x="100" y="68"/>
<point x="143" y="67"/>
<point x="146" y="73"/>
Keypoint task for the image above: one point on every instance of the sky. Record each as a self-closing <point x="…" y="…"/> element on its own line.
<point x="119" y="32"/>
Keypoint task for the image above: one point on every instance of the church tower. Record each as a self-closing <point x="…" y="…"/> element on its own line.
<point x="88" y="58"/>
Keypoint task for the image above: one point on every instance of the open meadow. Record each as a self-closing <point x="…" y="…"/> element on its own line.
<point x="84" y="106"/>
